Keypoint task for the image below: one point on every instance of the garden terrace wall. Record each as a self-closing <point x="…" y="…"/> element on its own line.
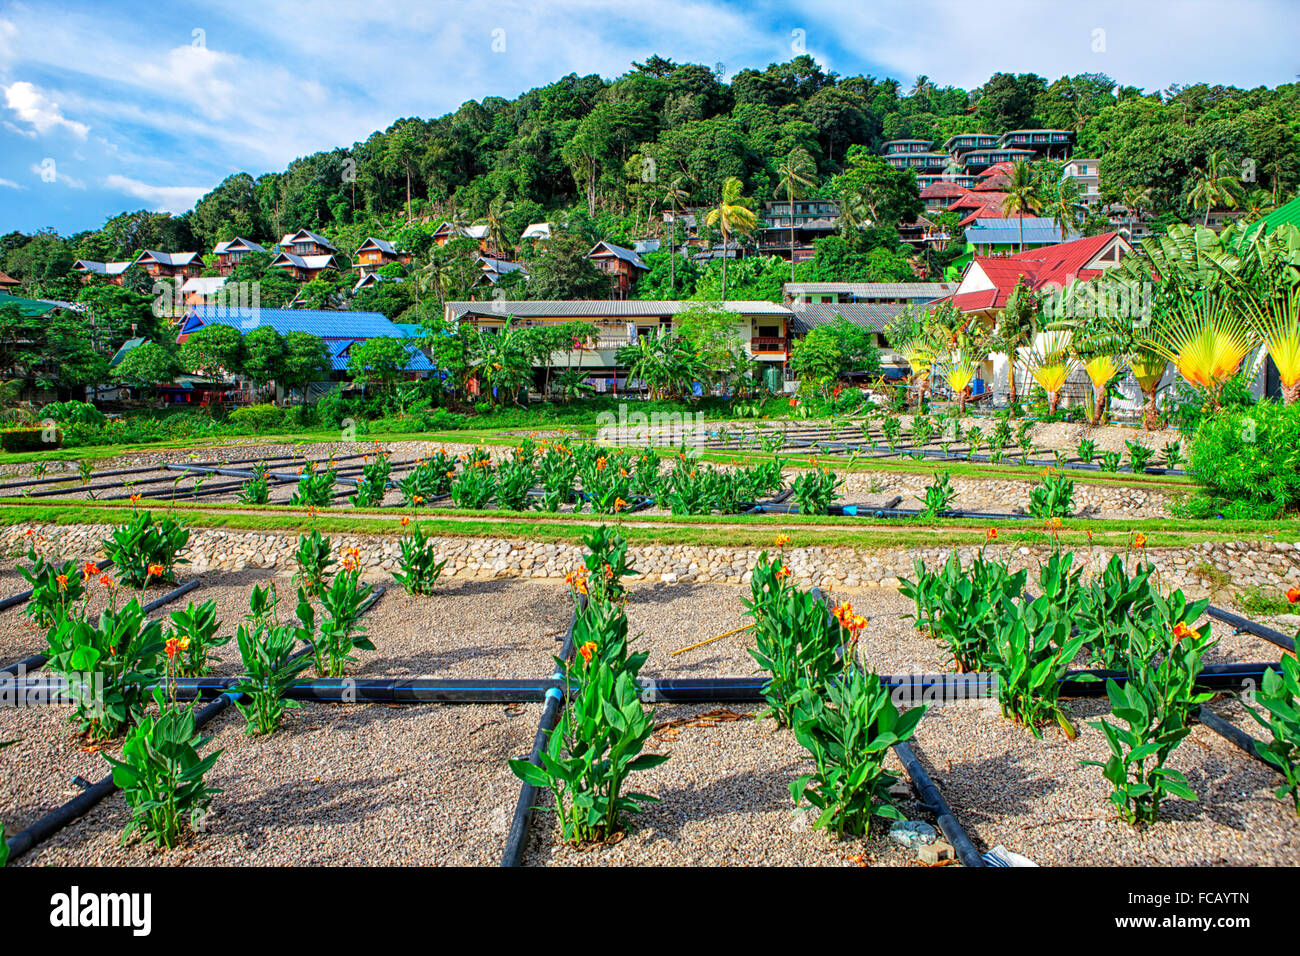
<point x="1269" y="564"/>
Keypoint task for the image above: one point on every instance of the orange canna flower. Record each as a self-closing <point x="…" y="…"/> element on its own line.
<point x="105" y="580"/>
<point x="63" y="582"/>
<point x="1181" y="631"/>
<point x="782" y="574"/>
<point x="587" y="649"/>
<point x="619" y="504"/>
<point x="1293" y="595"/>
<point x="172" y="647"/>
<point x="89" y="570"/>
<point x="135" y="498"/>
<point x="991" y="534"/>
<point x="600" y="463"/>
<point x="156" y="570"/>
<point x="782" y="540"/>
<point x="405" y="521"/>
<point x="1139" y="540"/>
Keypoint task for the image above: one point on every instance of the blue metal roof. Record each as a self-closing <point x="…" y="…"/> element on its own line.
<point x="324" y="323"/>
<point x="1038" y="230"/>
<point x="339" y="330"/>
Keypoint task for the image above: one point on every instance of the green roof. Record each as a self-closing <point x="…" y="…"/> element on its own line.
<point x="1287" y="213"/>
<point x="30" y="307"/>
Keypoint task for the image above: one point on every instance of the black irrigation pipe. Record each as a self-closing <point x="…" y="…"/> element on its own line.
<point x="517" y="838"/>
<point x="871" y="511"/>
<point x="140" y="470"/>
<point x="37" y="661"/>
<point x="1250" y="627"/>
<point x="1009" y="460"/>
<point x="1235" y="735"/>
<point x="936" y="804"/>
<point x="906" y="688"/>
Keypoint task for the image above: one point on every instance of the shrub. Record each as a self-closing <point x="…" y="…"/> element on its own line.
<point x="959" y="607"/>
<point x="142" y="550"/>
<point x="107" y="665"/>
<point x="373" y="483"/>
<point x="475" y="485"/>
<point x="1087" y="450"/>
<point x="848" y="726"/>
<point x="315" y="488"/>
<point x="161" y="774"/>
<point x="1250" y="454"/>
<point x="419" y="568"/>
<point x="1139" y="456"/>
<point x="32" y="438"/>
<point x="1157" y="703"/>
<point x="939" y="495"/>
<point x="256" y="490"/>
<point x="256" y="418"/>
<point x="515" y="479"/>
<point x="74" y="413"/>
<point x="1029" y="651"/>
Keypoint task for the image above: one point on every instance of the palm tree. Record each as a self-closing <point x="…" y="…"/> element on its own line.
<point x="676" y="195"/>
<point x="1051" y="362"/>
<point x="1022" y="195"/>
<point x="1015" y="330"/>
<point x="1207" y="339"/>
<point x="1137" y="199"/>
<point x="1067" y="207"/>
<point x="1256" y="203"/>
<point x="1278" y="325"/>
<point x="496" y="227"/>
<point x="794" y="177"/>
<point x="731" y="215"/>
<point x="1214" y="185"/>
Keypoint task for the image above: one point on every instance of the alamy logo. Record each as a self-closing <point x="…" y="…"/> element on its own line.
<point x="76" y="909"/>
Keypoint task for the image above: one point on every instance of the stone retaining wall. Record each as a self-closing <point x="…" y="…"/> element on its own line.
<point x="1272" y="565"/>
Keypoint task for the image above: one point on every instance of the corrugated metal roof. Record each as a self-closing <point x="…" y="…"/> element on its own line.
<point x="326" y="324"/>
<point x="1038" y="230"/>
<point x="619" y="252"/>
<point x="872" y="316"/>
<point x="33" y="307"/>
<point x="586" y="308"/>
<point x="204" y="285"/>
<point x="892" y="290"/>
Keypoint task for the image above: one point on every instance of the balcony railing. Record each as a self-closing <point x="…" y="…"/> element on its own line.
<point x="767" y="343"/>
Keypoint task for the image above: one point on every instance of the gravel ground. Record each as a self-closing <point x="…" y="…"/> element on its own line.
<point x="725" y="801"/>
<point x="1033" y="797"/>
<point x="339" y="785"/>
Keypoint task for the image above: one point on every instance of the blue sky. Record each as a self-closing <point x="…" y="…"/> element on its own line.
<point x="106" y="107"/>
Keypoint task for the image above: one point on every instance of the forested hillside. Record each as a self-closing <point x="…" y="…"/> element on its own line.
<point x="606" y="157"/>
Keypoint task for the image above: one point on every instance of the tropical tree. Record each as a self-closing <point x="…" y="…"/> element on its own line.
<point x="1022" y="195"/>
<point x="1214" y="185"/>
<point x="1015" y="330"/>
<point x="676" y="195"/>
<point x="1050" y="363"/>
<point x="1098" y="346"/>
<point x="795" y="177"/>
<point x="732" y="215"/>
<point x="1137" y="200"/>
<point x="1066" y="207"/>
<point x="1206" y="339"/>
<point x="1277" y="324"/>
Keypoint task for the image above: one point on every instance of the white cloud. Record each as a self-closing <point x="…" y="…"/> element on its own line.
<point x="10" y="184"/>
<point x="34" y="107"/>
<point x="173" y="199"/>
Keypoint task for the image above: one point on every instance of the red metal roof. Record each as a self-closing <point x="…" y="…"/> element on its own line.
<point x="1056" y="265"/>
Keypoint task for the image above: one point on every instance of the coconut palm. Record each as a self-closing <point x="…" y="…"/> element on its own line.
<point x="494" y="219"/>
<point x="1066" y="207"/>
<point x="1022" y="195"/>
<point x="675" y="195"/>
<point x="1137" y="199"/>
<point x="794" y="176"/>
<point x="1214" y="185"/>
<point x="732" y="215"/>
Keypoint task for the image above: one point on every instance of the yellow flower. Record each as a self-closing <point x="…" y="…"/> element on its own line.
<point x="782" y="540"/>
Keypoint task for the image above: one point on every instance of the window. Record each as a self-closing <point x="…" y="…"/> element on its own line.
<point x="769" y="331"/>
